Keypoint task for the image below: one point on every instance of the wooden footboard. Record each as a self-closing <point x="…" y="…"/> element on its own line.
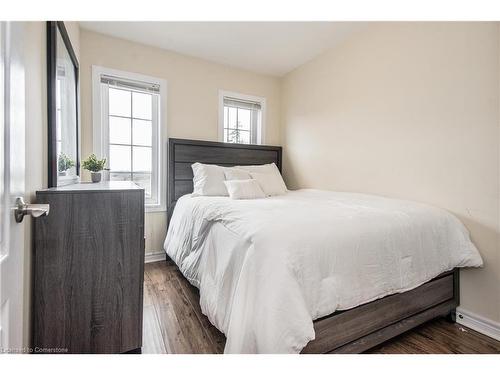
<point x="365" y="326"/>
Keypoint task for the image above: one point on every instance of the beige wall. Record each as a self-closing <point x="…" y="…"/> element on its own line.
<point x="407" y="110"/>
<point x="192" y="97"/>
<point x="35" y="56"/>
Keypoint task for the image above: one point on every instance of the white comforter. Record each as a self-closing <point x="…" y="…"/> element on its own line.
<point x="266" y="268"/>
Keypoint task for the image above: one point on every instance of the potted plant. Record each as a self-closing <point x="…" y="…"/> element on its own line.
<point x="95" y="166"/>
<point x="64" y="163"/>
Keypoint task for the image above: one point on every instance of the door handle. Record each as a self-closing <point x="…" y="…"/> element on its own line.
<point x="35" y="210"/>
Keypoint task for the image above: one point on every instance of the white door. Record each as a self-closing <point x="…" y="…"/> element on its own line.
<point x="12" y="143"/>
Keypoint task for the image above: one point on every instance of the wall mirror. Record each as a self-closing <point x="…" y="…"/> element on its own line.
<point x="62" y="102"/>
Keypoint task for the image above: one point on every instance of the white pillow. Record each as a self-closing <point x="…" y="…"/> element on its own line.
<point x="244" y="189"/>
<point x="264" y="168"/>
<point x="236" y="174"/>
<point x="270" y="168"/>
<point x="208" y="180"/>
<point x="271" y="183"/>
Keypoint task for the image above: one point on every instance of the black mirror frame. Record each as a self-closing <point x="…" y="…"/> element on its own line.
<point x="52" y="27"/>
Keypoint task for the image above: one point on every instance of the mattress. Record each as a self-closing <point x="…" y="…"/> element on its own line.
<point x="266" y="268"/>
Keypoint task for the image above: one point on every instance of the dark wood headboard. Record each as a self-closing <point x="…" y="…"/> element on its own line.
<point x="184" y="152"/>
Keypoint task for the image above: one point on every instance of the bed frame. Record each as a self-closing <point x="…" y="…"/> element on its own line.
<point x="349" y="331"/>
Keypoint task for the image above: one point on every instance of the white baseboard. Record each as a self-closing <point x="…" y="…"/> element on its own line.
<point x="478" y="323"/>
<point x="154" y="257"/>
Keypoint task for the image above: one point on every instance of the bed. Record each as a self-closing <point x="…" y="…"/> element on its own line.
<point x="288" y="300"/>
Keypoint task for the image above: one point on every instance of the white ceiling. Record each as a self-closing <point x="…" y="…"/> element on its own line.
<point x="273" y="48"/>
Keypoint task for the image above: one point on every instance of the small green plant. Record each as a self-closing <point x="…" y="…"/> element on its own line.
<point x="64" y="162"/>
<point x="93" y="164"/>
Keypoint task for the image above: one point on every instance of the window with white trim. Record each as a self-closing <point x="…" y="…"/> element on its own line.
<point x="129" y="129"/>
<point x="241" y="118"/>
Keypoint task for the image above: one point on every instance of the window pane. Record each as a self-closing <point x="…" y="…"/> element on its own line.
<point x="58" y="125"/>
<point x="225" y="117"/>
<point x="58" y="94"/>
<point x="234" y="135"/>
<point x="142" y="159"/>
<point x="142" y="105"/>
<point x="119" y="102"/>
<point x="144" y="181"/>
<point x="119" y="130"/>
<point x="119" y="158"/>
<point x="230" y="135"/>
<point x="232" y="117"/>
<point x="244" y="136"/>
<point x="244" y="119"/>
<point x="142" y="132"/>
<point x="120" y="176"/>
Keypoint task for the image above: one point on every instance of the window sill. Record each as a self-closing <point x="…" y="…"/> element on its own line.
<point x="154" y="208"/>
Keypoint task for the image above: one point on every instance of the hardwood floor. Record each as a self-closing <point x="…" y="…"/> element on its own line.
<point x="174" y="323"/>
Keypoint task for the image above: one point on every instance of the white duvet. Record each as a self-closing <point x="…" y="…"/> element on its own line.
<point x="266" y="268"/>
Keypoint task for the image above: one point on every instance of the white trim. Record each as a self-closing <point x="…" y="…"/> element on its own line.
<point x="478" y="323"/>
<point x="98" y="129"/>
<point x="261" y="130"/>
<point x="154" y="257"/>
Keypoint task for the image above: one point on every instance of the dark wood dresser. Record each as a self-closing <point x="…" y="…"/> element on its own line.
<point x="88" y="268"/>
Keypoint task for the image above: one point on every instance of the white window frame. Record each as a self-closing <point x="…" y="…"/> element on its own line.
<point x="261" y="128"/>
<point x="100" y="132"/>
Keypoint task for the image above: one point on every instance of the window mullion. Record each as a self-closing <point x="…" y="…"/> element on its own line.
<point x="136" y="118"/>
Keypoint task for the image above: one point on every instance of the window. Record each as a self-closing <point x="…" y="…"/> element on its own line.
<point x="127" y="131"/>
<point x="59" y="86"/>
<point x="241" y="118"/>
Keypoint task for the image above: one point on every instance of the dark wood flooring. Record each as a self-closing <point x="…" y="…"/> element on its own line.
<point x="174" y="323"/>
